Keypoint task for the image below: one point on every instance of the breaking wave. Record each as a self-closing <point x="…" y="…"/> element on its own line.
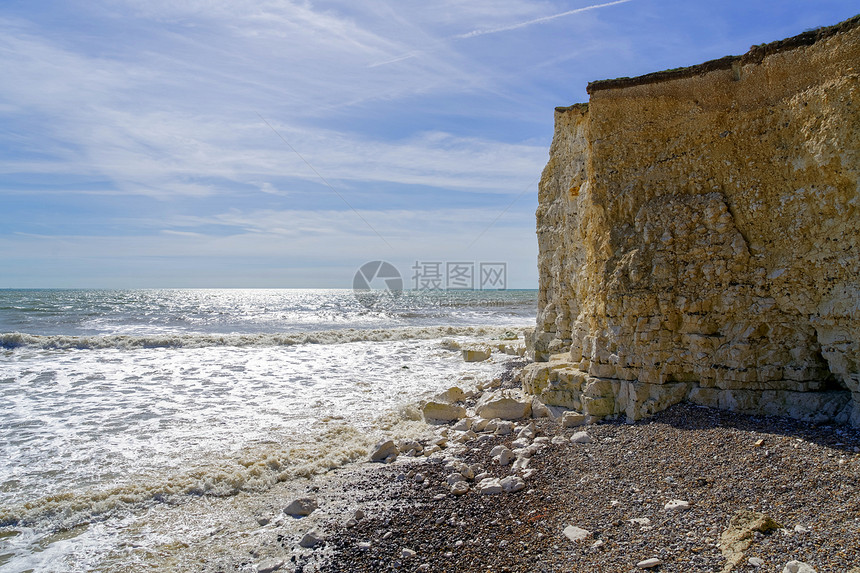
<point x="255" y="469"/>
<point x="14" y="340"/>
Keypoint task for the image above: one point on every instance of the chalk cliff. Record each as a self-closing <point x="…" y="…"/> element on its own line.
<point x="699" y="238"/>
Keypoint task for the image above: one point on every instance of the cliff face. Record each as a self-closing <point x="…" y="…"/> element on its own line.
<point x="699" y="236"/>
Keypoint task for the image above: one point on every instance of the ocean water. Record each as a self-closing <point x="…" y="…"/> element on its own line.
<point x="129" y="417"/>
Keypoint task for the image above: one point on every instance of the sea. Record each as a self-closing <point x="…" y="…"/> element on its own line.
<point x="137" y="424"/>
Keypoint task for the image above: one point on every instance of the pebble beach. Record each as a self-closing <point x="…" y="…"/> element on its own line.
<point x="690" y="489"/>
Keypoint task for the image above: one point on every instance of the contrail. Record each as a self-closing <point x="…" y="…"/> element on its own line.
<point x="397" y="59"/>
<point x="474" y="33"/>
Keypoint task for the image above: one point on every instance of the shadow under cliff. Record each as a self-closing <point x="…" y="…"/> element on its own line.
<point x="686" y="416"/>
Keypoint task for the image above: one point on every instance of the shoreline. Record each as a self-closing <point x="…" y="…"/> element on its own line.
<point x="204" y="507"/>
<point x="798" y="477"/>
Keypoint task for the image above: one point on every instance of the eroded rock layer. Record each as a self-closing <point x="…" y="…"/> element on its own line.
<point x="699" y="239"/>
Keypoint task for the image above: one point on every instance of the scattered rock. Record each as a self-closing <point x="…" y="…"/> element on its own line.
<point x="575" y="533"/>
<point x="520" y="443"/>
<point x="464" y="470"/>
<point x="505" y="407"/>
<point x="409" y="446"/>
<point x="270" y="565"/>
<point x="466" y="436"/>
<point x="649" y="563"/>
<point x="640" y="521"/>
<point x="797" y="567"/>
<point x="755" y="561"/>
<point x="431" y="450"/>
<point x="451" y="395"/>
<point x="489" y="486"/>
<point x="491" y="425"/>
<point x="677" y="505"/>
<point x="504" y="457"/>
<point x="364" y="545"/>
<point x="476" y="353"/>
<point x="406" y="553"/>
<point x="521" y="463"/>
<point x="800" y="529"/>
<point x="442" y="412"/>
<point x="301" y="507"/>
<point x="512" y="484"/>
<point x="527" y="432"/>
<point x="383" y="450"/>
<point x="540" y="410"/>
<point x="504" y="428"/>
<point x="581" y="438"/>
<point x="740" y="534"/>
<point x="572" y="419"/>
<point x="311" y="539"/>
<point x="459" y="488"/>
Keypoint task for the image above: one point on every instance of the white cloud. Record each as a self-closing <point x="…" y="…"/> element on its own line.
<point x="153" y="123"/>
<point x="282" y="240"/>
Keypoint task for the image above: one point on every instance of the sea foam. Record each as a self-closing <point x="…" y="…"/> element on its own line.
<point x="13" y="340"/>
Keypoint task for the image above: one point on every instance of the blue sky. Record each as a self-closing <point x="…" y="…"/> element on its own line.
<point x="150" y="143"/>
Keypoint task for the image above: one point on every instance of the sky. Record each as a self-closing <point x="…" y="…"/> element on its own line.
<point x="234" y="143"/>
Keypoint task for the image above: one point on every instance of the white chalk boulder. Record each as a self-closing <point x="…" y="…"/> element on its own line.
<point x="512" y="484"/>
<point x="311" y="539"/>
<point x="442" y="412"/>
<point x="301" y="507"/>
<point x="572" y="419"/>
<point x="508" y="406"/>
<point x="383" y="450"/>
<point x="476" y="353"/>
<point x="797" y="567"/>
<point x="581" y="438"/>
<point x="575" y="533"/>
<point x="460" y="488"/>
<point x="677" y="505"/>
<point x="451" y="395"/>
<point x="490" y="486"/>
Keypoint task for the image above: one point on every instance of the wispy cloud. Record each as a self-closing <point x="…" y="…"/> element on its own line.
<point x="129" y="130"/>
<point x="134" y="124"/>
